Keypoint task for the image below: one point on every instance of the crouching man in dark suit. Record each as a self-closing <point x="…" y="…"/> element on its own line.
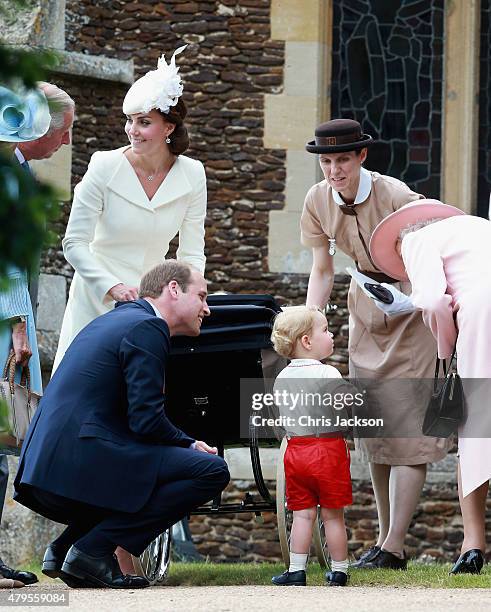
<point x="100" y="455"/>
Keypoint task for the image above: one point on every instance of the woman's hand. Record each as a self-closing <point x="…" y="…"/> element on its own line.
<point x="20" y="343"/>
<point x="123" y="293"/>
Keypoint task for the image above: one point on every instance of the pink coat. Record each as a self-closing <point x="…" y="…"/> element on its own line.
<point x="448" y="266"/>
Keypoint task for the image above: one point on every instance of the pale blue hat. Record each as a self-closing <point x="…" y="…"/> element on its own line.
<point x="23" y="116"/>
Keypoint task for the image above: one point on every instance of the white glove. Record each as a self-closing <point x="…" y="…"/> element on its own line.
<point x="402" y="303"/>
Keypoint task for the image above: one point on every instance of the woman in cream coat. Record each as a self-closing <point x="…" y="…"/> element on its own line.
<point x="132" y="202"/>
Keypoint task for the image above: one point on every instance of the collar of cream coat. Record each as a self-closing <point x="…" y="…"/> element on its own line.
<point x="364" y="188"/>
<point x="125" y="183"/>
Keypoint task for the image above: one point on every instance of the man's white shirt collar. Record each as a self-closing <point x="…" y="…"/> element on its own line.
<point x="20" y="157"/>
<point x="156" y="310"/>
<point x="364" y="188"/>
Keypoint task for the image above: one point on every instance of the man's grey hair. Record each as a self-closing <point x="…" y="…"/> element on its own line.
<point x="414" y="227"/>
<point x="59" y="103"/>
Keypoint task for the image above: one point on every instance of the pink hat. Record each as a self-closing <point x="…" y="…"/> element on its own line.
<point x="385" y="235"/>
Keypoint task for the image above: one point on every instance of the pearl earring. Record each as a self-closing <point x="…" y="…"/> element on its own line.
<point x="167" y="140"/>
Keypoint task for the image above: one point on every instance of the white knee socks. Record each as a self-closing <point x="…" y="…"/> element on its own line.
<point x="340" y="566"/>
<point x="297" y="562"/>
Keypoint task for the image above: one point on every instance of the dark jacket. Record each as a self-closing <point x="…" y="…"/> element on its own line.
<point x="97" y="433"/>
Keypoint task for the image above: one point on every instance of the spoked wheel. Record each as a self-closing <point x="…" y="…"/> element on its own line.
<point x="284" y="518"/>
<point x="153" y="564"/>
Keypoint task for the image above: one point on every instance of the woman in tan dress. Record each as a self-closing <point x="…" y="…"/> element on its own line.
<point x="340" y="213"/>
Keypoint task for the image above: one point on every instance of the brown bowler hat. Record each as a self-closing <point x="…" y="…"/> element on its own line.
<point x="338" y="136"/>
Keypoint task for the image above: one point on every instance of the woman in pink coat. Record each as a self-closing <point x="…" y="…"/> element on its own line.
<point x="447" y="263"/>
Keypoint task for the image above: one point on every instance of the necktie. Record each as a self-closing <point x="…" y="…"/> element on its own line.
<point x="26" y="167"/>
<point x="347" y="210"/>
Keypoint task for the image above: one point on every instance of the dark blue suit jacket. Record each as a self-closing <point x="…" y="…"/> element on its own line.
<point x="97" y="433"/>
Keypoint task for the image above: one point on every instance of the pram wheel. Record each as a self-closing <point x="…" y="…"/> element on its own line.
<point x="153" y="564"/>
<point x="284" y="518"/>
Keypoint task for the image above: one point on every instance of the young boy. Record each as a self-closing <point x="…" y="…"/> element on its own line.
<point x="317" y="466"/>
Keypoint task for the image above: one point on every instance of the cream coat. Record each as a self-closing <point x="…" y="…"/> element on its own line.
<point x="115" y="233"/>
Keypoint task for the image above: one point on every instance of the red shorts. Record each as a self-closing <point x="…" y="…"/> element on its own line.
<point x="317" y="472"/>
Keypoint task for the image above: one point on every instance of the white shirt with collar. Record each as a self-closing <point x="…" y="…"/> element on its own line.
<point x="18" y="153"/>
<point x="364" y="189"/>
<point x="299" y="388"/>
<point x="155" y="309"/>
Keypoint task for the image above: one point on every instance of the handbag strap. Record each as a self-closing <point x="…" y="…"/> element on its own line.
<point x="9" y="374"/>
<point x="444" y="363"/>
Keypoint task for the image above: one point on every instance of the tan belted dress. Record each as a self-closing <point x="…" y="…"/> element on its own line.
<point x="379" y="347"/>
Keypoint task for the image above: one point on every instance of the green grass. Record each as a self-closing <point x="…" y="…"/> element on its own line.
<point x="230" y="574"/>
<point x="417" y="575"/>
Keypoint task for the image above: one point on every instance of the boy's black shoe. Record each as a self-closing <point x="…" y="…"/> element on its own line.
<point x="470" y="562"/>
<point x="290" y="579"/>
<point x="336" y="578"/>
<point x="387" y="560"/>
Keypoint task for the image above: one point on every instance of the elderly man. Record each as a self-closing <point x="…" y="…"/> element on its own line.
<point x="62" y="110"/>
<point x="100" y="455"/>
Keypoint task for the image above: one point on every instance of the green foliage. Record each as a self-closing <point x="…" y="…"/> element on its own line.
<point x="25" y="205"/>
<point x="26" y="66"/>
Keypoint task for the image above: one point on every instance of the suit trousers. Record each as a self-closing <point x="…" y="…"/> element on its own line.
<point x="4" y="479"/>
<point x="186" y="479"/>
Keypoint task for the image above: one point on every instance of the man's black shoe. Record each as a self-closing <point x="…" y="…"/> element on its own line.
<point x="336" y="578"/>
<point x="387" y="560"/>
<point x="470" y="562"/>
<point x="290" y="579"/>
<point x="100" y="572"/>
<point x="13" y="574"/>
<point x="52" y="563"/>
<point x="366" y="557"/>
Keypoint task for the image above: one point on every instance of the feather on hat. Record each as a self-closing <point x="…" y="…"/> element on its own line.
<point x="159" y="88"/>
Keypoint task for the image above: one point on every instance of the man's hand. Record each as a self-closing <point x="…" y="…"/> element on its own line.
<point x="123" y="293"/>
<point x="20" y="343"/>
<point x="203" y="446"/>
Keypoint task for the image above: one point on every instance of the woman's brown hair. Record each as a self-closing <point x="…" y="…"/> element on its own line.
<point x="179" y="139"/>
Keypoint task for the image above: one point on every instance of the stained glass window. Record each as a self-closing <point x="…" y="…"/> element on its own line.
<point x="387" y="74"/>
<point x="484" y="167"/>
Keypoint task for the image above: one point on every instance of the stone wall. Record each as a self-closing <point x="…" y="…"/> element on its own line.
<point x="228" y="66"/>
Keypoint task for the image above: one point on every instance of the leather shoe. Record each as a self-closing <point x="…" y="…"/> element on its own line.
<point x="52" y="562"/>
<point x="290" y="579"/>
<point x="366" y="557"/>
<point x="387" y="560"/>
<point x="100" y="572"/>
<point x="336" y="578"/>
<point x="470" y="562"/>
<point x="19" y="575"/>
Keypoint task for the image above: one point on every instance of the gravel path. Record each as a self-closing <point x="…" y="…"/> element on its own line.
<point x="263" y="599"/>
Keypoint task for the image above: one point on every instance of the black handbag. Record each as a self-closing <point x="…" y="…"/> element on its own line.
<point x="445" y="410"/>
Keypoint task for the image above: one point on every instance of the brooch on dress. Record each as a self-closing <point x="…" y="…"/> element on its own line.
<point x="332" y="246"/>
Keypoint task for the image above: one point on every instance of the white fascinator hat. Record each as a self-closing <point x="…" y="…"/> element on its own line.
<point x="159" y="89"/>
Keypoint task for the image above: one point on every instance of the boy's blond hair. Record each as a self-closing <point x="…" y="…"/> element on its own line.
<point x="289" y="326"/>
